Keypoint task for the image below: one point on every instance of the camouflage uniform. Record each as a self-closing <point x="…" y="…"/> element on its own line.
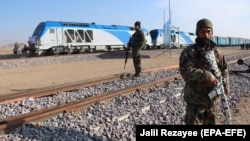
<point x="195" y="70"/>
<point x="136" y="42"/>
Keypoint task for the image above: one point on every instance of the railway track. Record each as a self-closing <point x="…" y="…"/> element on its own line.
<point x="7" y="124"/>
<point x="48" y="91"/>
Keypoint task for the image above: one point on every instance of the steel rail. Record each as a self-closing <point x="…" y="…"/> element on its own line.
<point x="8" y="124"/>
<point x="48" y="91"/>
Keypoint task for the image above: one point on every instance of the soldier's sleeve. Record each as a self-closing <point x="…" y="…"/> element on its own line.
<point x="223" y="66"/>
<point x="143" y="39"/>
<point x="188" y="70"/>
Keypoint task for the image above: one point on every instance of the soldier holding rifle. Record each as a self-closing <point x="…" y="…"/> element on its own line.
<point x="201" y="78"/>
<point x="137" y="42"/>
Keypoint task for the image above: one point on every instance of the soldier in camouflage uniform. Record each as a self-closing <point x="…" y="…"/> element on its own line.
<point x="136" y="42"/>
<point x="199" y="78"/>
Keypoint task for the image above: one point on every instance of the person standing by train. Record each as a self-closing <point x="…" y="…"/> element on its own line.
<point x="16" y="49"/>
<point x="199" y="77"/>
<point x="136" y="42"/>
<point x="25" y="50"/>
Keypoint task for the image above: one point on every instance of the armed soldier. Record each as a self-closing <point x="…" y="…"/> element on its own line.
<point x="200" y="77"/>
<point x="137" y="42"/>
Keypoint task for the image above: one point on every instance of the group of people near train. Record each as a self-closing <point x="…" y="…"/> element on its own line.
<point x="195" y="69"/>
<point x="23" y="51"/>
<point x="245" y="46"/>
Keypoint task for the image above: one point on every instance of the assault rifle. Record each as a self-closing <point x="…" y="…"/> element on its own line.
<point x="241" y="62"/>
<point x="126" y="58"/>
<point x="219" y="88"/>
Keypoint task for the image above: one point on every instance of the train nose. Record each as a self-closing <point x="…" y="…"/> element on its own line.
<point x="34" y="40"/>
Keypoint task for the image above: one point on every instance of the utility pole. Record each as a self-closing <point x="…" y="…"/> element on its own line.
<point x="169" y="11"/>
<point x="170" y="40"/>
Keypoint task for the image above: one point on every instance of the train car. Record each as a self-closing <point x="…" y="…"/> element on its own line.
<point x="247" y="41"/>
<point x="192" y="36"/>
<point x="55" y="37"/>
<point x="233" y="41"/>
<point x="178" y="38"/>
<point x="181" y="39"/>
<point x="188" y="37"/>
<point x="215" y="39"/>
<point x="148" y="44"/>
<point x="221" y="41"/>
<point x="157" y="38"/>
<point x="241" y="41"/>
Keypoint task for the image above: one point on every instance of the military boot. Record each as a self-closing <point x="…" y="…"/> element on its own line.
<point x="137" y="75"/>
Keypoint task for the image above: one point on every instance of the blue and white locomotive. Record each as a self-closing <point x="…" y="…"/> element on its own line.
<point x="55" y="37"/>
<point x="178" y="38"/>
<point x="157" y="36"/>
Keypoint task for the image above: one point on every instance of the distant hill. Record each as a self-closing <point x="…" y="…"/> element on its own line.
<point x="8" y="49"/>
<point x="9" y="45"/>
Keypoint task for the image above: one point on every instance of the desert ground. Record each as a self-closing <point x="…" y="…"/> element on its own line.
<point x="20" y="79"/>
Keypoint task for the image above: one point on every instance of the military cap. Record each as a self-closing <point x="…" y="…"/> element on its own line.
<point x="203" y="23"/>
<point x="138" y="23"/>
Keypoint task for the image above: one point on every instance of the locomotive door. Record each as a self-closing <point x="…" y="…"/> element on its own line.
<point x="55" y="36"/>
<point x="59" y="36"/>
<point x="52" y="36"/>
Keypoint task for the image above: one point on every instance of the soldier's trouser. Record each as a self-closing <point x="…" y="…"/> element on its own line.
<point x="137" y="63"/>
<point x="197" y="114"/>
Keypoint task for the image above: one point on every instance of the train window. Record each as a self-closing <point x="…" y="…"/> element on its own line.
<point x="88" y="35"/>
<point x="52" y="30"/>
<point x="79" y="35"/>
<point x="173" y="37"/>
<point x="39" y="29"/>
<point x="69" y="35"/>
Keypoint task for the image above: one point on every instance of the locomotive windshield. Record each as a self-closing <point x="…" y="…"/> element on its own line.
<point x="153" y="34"/>
<point x="39" y="29"/>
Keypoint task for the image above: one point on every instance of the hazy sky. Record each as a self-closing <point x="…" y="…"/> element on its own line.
<point x="19" y="18"/>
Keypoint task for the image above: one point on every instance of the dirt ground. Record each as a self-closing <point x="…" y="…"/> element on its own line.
<point x="21" y="79"/>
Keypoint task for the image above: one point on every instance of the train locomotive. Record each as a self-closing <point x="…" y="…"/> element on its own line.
<point x="179" y="39"/>
<point x="56" y="37"/>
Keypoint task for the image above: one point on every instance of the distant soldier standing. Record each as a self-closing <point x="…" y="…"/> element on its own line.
<point x="137" y="42"/>
<point x="25" y="50"/>
<point x="16" y="49"/>
<point x="199" y="77"/>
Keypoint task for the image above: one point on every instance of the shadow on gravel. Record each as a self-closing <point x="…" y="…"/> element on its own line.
<point x="50" y="133"/>
<point x="6" y="56"/>
<point x="21" y="90"/>
<point x="246" y="74"/>
<point x="118" y="55"/>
